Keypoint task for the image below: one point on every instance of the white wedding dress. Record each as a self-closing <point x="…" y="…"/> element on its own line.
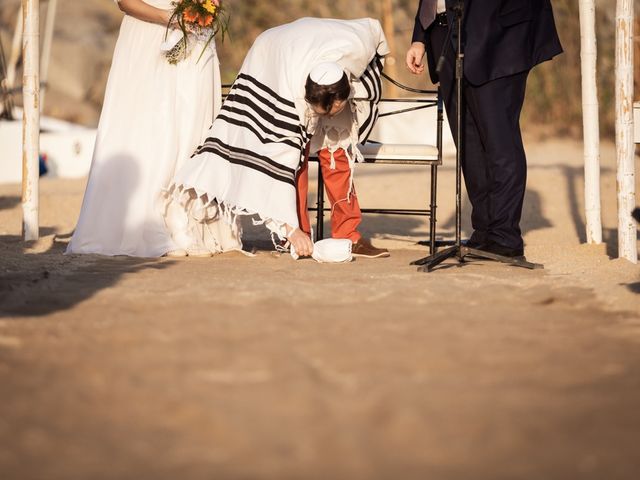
<point x="153" y="117"/>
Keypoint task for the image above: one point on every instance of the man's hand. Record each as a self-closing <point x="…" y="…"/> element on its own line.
<point x="415" y="54"/>
<point x="301" y="242"/>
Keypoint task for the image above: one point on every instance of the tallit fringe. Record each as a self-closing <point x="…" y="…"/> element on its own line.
<point x="199" y="223"/>
<point x="352" y="152"/>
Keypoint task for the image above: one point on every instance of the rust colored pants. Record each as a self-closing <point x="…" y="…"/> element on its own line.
<point x="345" y="213"/>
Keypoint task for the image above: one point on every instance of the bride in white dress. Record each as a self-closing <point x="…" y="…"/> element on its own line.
<point x="153" y="117"/>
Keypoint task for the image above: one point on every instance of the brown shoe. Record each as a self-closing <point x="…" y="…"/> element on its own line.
<point x="363" y="248"/>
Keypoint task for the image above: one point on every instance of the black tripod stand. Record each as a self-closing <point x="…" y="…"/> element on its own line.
<point x="458" y="250"/>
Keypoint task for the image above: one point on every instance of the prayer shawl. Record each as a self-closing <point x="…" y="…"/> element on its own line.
<point x="248" y="162"/>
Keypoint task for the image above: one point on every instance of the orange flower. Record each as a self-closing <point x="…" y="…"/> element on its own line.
<point x="190" y="15"/>
<point x="205" y="20"/>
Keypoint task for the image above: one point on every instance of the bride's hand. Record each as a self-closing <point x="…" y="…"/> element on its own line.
<point x="301" y="242"/>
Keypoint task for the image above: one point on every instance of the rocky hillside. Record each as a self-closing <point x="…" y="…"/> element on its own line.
<point x="86" y="32"/>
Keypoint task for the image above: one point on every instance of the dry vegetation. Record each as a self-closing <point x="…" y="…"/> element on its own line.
<point x="86" y="32"/>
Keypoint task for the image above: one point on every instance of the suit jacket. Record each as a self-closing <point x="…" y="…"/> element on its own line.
<point x="500" y="37"/>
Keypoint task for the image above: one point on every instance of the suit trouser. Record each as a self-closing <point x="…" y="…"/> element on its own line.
<point x="494" y="162"/>
<point x="345" y="212"/>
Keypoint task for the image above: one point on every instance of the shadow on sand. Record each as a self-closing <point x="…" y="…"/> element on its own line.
<point x="533" y="217"/>
<point x="37" y="284"/>
<point x="7" y="203"/>
<point x="36" y="278"/>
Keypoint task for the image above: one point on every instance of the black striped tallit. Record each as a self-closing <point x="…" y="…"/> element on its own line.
<point x="253" y="106"/>
<point x="371" y="80"/>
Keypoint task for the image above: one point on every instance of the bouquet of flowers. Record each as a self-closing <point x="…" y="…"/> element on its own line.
<point x="192" y="22"/>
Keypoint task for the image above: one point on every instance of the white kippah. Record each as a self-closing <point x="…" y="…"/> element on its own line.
<point x="326" y="73"/>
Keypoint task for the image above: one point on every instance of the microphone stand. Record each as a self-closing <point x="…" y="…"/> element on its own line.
<point x="458" y="250"/>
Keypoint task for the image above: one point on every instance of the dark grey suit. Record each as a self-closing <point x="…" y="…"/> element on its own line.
<point x="503" y="40"/>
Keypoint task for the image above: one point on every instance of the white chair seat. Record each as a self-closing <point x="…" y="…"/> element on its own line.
<point x="374" y="152"/>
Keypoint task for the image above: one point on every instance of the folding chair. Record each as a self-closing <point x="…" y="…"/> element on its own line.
<point x="399" y="154"/>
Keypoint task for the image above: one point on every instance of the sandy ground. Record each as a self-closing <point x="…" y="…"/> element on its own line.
<point x="267" y="368"/>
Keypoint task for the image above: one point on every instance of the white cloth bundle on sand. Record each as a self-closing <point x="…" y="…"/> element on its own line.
<point x="329" y="250"/>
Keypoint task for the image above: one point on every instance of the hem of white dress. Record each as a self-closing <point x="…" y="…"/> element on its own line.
<point x="199" y="206"/>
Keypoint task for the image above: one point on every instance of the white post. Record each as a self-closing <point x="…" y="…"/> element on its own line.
<point x="590" y="120"/>
<point x="46" y="49"/>
<point x="627" y="242"/>
<point x="31" y="120"/>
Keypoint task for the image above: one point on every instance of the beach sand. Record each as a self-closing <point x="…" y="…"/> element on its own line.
<point x="269" y="368"/>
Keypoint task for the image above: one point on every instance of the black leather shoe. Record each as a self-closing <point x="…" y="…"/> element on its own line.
<point x="477" y="245"/>
<point x="496" y="248"/>
<point x="477" y="240"/>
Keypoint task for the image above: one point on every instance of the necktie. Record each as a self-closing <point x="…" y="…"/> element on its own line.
<point x="427" y="12"/>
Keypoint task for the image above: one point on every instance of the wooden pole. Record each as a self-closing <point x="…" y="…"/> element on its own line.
<point x="31" y="119"/>
<point x="46" y="49"/>
<point x="627" y="242"/>
<point x="591" y="121"/>
<point x="388" y="25"/>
